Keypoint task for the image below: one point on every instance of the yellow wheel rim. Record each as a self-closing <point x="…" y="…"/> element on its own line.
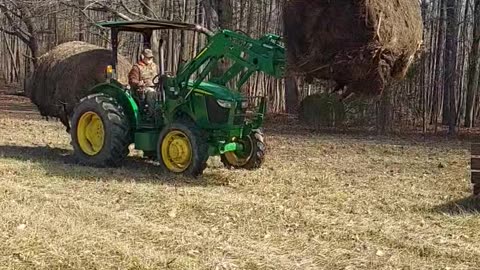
<point x="90" y="133"/>
<point x="176" y="151"/>
<point x="240" y="160"/>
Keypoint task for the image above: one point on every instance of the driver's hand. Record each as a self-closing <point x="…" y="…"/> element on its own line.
<point x="141" y="84"/>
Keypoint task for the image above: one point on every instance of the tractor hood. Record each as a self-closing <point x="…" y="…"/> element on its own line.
<point x="217" y="91"/>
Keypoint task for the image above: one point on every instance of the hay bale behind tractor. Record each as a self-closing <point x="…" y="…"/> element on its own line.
<point x="65" y="75"/>
<point x="361" y="44"/>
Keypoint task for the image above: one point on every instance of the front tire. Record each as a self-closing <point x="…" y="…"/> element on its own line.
<point x="101" y="132"/>
<point x="253" y="156"/>
<point x="183" y="149"/>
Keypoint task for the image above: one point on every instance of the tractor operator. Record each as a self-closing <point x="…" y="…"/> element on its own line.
<point x="141" y="78"/>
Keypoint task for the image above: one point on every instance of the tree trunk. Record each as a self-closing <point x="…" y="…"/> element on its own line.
<point x="439" y="67"/>
<point x="183" y="53"/>
<point x="219" y="14"/>
<point x="148" y="10"/>
<point x="447" y="66"/>
<point x="450" y="66"/>
<point x="81" y="21"/>
<point x="291" y="95"/>
<point x="384" y="113"/>
<point x="473" y="69"/>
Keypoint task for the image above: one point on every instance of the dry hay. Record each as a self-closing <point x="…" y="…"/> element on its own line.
<point x="65" y="75"/>
<point x="361" y="44"/>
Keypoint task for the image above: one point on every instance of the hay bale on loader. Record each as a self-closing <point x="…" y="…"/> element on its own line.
<point x="360" y="44"/>
<point x="65" y="75"/>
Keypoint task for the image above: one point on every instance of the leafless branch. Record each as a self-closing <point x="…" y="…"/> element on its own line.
<point x="8" y="31"/>
<point x="119" y="14"/>
<point x="98" y="6"/>
<point x="16" y="30"/>
<point x="8" y="11"/>
<point x="133" y="12"/>
<point x="149" y="9"/>
<point x="90" y="5"/>
<point x="15" y="33"/>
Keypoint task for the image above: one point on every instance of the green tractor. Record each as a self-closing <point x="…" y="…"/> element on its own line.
<point x="194" y="117"/>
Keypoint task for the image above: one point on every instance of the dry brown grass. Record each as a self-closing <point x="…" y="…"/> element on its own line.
<point x="320" y="202"/>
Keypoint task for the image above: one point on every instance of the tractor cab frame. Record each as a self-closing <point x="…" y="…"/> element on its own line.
<point x="147" y="28"/>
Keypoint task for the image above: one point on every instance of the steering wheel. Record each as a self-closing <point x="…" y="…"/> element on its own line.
<point x="156" y="80"/>
<point x="160" y="78"/>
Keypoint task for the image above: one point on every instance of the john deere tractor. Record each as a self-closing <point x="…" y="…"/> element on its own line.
<point x="199" y="112"/>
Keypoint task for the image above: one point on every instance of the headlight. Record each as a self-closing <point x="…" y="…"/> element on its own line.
<point x="225" y="104"/>
<point x="244" y="104"/>
<point x="109" y="72"/>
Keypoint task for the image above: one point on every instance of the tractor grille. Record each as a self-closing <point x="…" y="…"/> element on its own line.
<point x="216" y="114"/>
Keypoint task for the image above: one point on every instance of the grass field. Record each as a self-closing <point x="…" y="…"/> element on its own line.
<point x="323" y="201"/>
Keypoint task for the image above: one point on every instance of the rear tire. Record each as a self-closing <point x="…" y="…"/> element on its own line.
<point x="254" y="157"/>
<point x="103" y="117"/>
<point x="183" y="149"/>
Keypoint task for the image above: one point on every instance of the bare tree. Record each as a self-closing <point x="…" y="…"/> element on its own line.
<point x="22" y="21"/>
<point x="474" y="69"/>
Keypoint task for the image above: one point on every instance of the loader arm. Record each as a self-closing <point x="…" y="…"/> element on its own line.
<point x="245" y="54"/>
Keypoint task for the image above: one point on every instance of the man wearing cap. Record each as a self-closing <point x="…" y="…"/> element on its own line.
<point x="141" y="77"/>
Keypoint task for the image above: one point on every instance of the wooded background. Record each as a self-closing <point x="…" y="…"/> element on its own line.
<point x="441" y="89"/>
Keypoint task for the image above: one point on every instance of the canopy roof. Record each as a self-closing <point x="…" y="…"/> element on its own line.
<point x="141" y="26"/>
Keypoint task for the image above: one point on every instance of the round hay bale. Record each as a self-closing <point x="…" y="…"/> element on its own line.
<point x="322" y="110"/>
<point x="66" y="74"/>
<point x="357" y="43"/>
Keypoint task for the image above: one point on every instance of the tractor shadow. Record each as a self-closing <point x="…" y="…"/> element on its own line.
<point x="60" y="162"/>
<point x="461" y="207"/>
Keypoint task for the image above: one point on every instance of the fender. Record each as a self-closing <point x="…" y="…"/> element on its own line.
<point x="115" y="90"/>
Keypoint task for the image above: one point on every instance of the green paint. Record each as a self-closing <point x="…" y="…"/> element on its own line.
<point x="147" y="140"/>
<point x="231" y="147"/>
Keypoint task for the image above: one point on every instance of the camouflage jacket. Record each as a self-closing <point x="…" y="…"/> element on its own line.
<point x="142" y="72"/>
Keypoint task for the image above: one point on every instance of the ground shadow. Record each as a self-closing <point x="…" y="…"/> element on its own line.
<point x="17" y="105"/>
<point x="40" y="153"/>
<point x="466" y="206"/>
<point x="60" y="162"/>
